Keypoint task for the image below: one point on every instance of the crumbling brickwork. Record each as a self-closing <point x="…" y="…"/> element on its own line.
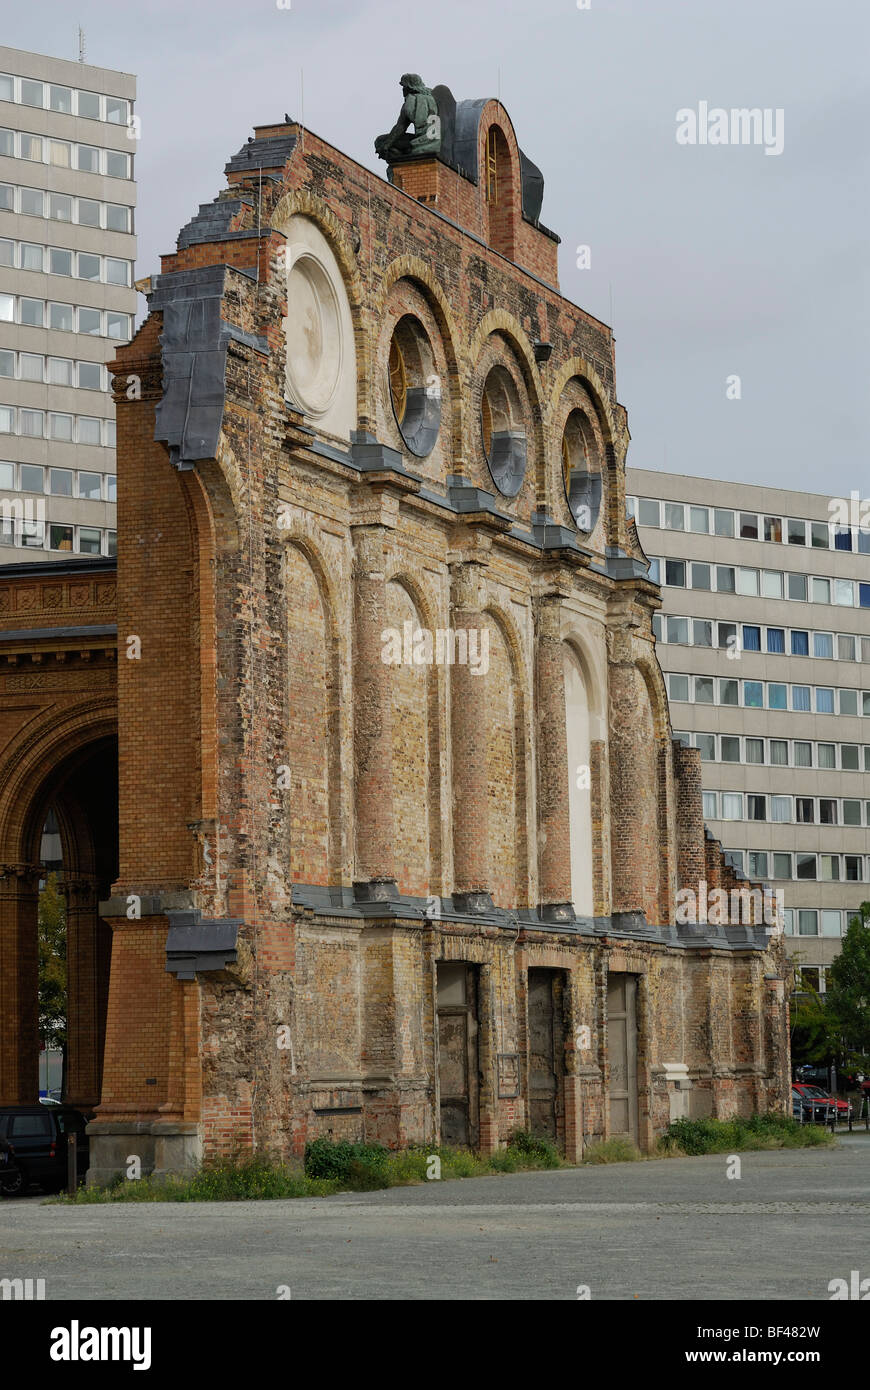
<point x="352" y="822"/>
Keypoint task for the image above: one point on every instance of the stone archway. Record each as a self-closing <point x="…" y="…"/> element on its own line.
<point x="81" y="789"/>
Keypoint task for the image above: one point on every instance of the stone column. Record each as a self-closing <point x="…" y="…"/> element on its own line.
<point x="85" y="933"/>
<point x="627" y="846"/>
<point x="468" y="719"/>
<point x="374" y="874"/>
<point x="19" y="984"/>
<point x="554" y="804"/>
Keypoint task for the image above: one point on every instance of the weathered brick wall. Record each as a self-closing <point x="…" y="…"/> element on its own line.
<point x="262" y="582"/>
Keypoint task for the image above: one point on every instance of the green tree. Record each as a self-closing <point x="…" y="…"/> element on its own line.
<point x="52" y="965"/>
<point x="848" y="996"/>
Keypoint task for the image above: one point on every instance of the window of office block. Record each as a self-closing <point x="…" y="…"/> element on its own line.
<point x="706" y="743"/>
<point x="726" y="635"/>
<point x="657" y="627"/>
<point x="849" y="760"/>
<point x="827" y="810"/>
<point x="831" y="922"/>
<point x="31" y="312"/>
<point x="771" y="583"/>
<point x="846" y="648"/>
<point x="804" y="810"/>
<point x="723" y="522"/>
<point x="808" y="926"/>
<point x="700" y="576"/>
<point x="751" y="638"/>
<point x="88" y="159"/>
<point x="732" y="805"/>
<point x="823" y="644"/>
<point x="729" y="692"/>
<point x="842" y="538"/>
<point x="89" y="430"/>
<point x="60" y="207"/>
<point x="675" y="573"/>
<point x="755" y="750"/>
<point x="827" y="755"/>
<point x="90" y="376"/>
<point x="60" y="537"/>
<point x="844" y="593"/>
<point x="725" y="579"/>
<point x="89" y="214"/>
<point x="780" y="809"/>
<point x="730" y="748"/>
<point x="89" y="105"/>
<point x="60" y="316"/>
<point x="699" y="520"/>
<point x="60" y="427"/>
<point x="824" y="700"/>
<point x="117" y="165"/>
<point x="90" y="322"/>
<point x="805" y="866"/>
<point x="116" y="110"/>
<point x="797" y="587"/>
<point x="820" y="535"/>
<point x="747" y="582"/>
<point x="800" y="697"/>
<point x="117" y="218"/>
<point x="773" y="528"/>
<point x="655" y="571"/>
<point x="853" y="867"/>
<point x="848" y="702"/>
<point x="678" y="629"/>
<point x="702" y="632"/>
<point x="678" y="687"/>
<point x="90" y="540"/>
<point x="779" y="752"/>
<point x="864" y="599"/>
<point x="32" y="477"/>
<point x="748" y="526"/>
<point x="777" y="696"/>
<point x="60" y="99"/>
<point x="776" y="640"/>
<point x="675" y="519"/>
<point x="757" y="867"/>
<point x="800" y="643"/>
<point x="829" y="868"/>
<point x="648" y="512"/>
<point x="851" y="811"/>
<point x="117" y="325"/>
<point x="782" y="866"/>
<point x="711" y="806"/>
<point x="703" y="690"/>
<point x="820" y="590"/>
<point x="753" y="694"/>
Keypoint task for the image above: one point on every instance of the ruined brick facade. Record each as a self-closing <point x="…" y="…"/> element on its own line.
<point x="402" y="901"/>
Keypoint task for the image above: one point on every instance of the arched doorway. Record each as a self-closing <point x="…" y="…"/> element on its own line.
<point x="77" y="793"/>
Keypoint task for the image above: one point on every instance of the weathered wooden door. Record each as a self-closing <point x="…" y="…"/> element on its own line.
<point x="546" y="1053"/>
<point x="622" y="1053"/>
<point x="458" y="1079"/>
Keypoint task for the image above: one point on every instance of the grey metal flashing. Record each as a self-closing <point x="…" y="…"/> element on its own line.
<point x="195" y="944"/>
<point x="38" y="634"/>
<point x="620" y="565"/>
<point x="43" y="569"/>
<point x="194" y="341"/>
<point x="477" y="909"/>
<point x="464" y="497"/>
<point x="267" y="152"/>
<point x="212" y="222"/>
<point x="465" y="145"/>
<point x="371" y="457"/>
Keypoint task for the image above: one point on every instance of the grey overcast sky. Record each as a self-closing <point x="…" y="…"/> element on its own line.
<point x="717" y="259"/>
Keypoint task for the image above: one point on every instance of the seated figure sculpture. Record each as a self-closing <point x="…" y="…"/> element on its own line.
<point x="420" y="110"/>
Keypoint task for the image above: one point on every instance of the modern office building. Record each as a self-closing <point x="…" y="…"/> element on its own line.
<point x="67" y="250"/>
<point x="764" y="638"/>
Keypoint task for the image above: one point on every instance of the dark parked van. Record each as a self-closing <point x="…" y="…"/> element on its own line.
<point x="37" y="1137"/>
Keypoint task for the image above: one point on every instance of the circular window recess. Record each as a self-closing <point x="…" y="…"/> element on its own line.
<point x="415" y="387"/>
<point x="582" y="484"/>
<point x="314" y="343"/>
<point x="504" y="440"/>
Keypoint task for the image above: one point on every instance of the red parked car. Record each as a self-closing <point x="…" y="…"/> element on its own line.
<point x="817" y="1094"/>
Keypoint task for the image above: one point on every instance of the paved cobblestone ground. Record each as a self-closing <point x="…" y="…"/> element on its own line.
<point x="668" y="1229"/>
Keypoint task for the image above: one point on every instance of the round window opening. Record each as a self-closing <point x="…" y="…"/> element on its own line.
<point x="415" y="387"/>
<point x="504" y="439"/>
<point x="314" y="345"/>
<point x="582" y="482"/>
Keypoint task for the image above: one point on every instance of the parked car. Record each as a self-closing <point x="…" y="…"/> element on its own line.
<point x="819" y="1093"/>
<point x="11" y="1180"/>
<point x="809" y="1107"/>
<point x="37" y="1138"/>
<point x="812" y="1075"/>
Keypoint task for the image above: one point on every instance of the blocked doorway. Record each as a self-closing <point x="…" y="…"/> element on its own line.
<point x="622" y="1054"/>
<point x="458" y="1065"/>
<point x="546" y="1003"/>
